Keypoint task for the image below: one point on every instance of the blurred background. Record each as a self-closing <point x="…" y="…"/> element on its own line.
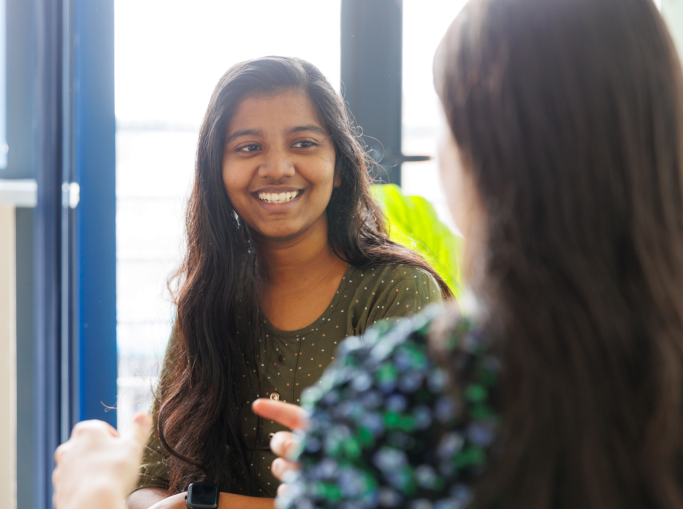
<point x="170" y="55"/>
<point x="100" y="106"/>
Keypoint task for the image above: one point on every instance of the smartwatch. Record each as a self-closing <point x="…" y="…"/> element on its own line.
<point x="202" y="495"/>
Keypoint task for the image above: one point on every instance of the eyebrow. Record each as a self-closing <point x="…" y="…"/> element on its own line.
<point x="244" y="132"/>
<point x="301" y="128"/>
<point x="258" y="132"/>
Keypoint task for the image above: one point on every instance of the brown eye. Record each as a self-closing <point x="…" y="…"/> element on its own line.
<point x="303" y="144"/>
<point x="249" y="148"/>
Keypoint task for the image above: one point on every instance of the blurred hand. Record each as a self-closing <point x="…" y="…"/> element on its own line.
<point x="284" y="444"/>
<point x="97" y="467"/>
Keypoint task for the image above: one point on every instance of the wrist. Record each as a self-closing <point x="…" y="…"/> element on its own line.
<point x="104" y="491"/>
<point x="202" y="495"/>
<point x="176" y="501"/>
<point x="232" y="501"/>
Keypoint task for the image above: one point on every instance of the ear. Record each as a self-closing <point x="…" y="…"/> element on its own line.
<point x="337" y="179"/>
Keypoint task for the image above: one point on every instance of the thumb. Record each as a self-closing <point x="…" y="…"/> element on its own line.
<point x="138" y="431"/>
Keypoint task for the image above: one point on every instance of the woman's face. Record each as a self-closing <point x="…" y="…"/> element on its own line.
<point x="461" y="194"/>
<point x="278" y="165"/>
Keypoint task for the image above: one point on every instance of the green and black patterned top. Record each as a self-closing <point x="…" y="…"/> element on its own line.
<point x="389" y="427"/>
<point x="291" y="361"/>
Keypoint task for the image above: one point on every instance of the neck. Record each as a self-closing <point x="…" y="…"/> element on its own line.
<point x="296" y="262"/>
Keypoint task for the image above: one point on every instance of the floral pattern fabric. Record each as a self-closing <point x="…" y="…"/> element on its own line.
<point x="391" y="428"/>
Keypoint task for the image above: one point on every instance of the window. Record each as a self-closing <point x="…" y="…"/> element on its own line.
<point x="421" y="109"/>
<point x="169" y="56"/>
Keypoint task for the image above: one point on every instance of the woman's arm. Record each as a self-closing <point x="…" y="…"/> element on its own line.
<point x="229" y="501"/>
<point x="145" y="498"/>
<point x="156" y="498"/>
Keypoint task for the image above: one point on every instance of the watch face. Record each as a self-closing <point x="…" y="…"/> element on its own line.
<point x="202" y="495"/>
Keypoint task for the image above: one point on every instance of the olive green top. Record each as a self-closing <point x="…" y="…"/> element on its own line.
<point x="290" y="361"/>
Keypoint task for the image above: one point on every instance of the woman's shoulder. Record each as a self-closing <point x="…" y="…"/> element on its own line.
<point x="393" y="278"/>
<point x="396" y="271"/>
<point x="388" y="292"/>
<point x="387" y="406"/>
<point x="440" y="330"/>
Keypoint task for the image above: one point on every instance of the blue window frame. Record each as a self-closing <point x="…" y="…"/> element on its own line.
<point x="75" y="242"/>
<point x="95" y="166"/>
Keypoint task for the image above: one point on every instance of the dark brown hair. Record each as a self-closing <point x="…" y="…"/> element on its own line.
<point x="199" y="421"/>
<point x="568" y="115"/>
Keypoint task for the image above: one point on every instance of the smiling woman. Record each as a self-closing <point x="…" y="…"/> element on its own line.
<point x="278" y="166"/>
<point x="287" y="255"/>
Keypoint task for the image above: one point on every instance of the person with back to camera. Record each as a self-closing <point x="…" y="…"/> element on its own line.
<point x="97" y="466"/>
<point x="287" y="255"/>
<point x="562" y="165"/>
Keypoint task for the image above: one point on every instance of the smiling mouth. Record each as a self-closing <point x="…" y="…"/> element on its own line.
<point x="279" y="197"/>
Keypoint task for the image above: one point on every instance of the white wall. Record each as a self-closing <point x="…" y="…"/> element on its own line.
<point x="7" y="358"/>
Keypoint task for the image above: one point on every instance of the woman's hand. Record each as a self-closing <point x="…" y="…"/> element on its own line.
<point x="176" y="501"/>
<point x="284" y="444"/>
<point x="97" y="467"/>
<point x="225" y="501"/>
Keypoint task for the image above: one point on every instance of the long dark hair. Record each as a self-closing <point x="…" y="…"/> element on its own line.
<point x="199" y="421"/>
<point x="568" y="115"/>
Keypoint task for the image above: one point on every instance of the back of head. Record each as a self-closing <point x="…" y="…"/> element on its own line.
<point x="568" y="115"/>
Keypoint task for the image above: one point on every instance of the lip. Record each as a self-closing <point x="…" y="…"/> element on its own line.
<point x="277" y="190"/>
<point x="278" y="207"/>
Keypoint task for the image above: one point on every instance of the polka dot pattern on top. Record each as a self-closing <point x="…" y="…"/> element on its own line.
<point x="288" y="362"/>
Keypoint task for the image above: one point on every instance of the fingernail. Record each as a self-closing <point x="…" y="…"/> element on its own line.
<point x="294" y="448"/>
<point x="141" y="418"/>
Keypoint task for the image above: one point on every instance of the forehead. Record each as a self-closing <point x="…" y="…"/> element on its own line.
<point x="273" y="112"/>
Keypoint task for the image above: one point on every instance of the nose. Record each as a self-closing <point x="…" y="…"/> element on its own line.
<point x="277" y="164"/>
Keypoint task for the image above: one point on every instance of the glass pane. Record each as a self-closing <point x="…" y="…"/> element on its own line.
<point x="169" y="56"/>
<point x="424" y="24"/>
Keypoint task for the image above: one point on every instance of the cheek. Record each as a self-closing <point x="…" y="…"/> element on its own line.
<point x="235" y="185"/>
<point x="234" y="181"/>
<point x="329" y="162"/>
<point x="321" y="172"/>
<point x="452" y="180"/>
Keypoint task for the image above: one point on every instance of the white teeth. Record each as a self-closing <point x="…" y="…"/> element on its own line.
<point x="277" y="197"/>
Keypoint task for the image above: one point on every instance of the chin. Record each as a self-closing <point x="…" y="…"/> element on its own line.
<point x="279" y="234"/>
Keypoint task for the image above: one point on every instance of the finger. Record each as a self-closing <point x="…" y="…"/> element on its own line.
<point x="280" y="467"/>
<point x="138" y="431"/>
<point x="59" y="452"/>
<point x="94" y="426"/>
<point x="285" y="445"/>
<point x="55" y="495"/>
<point x="142" y="418"/>
<point x="280" y="443"/>
<point x="282" y="490"/>
<point x="289" y="415"/>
